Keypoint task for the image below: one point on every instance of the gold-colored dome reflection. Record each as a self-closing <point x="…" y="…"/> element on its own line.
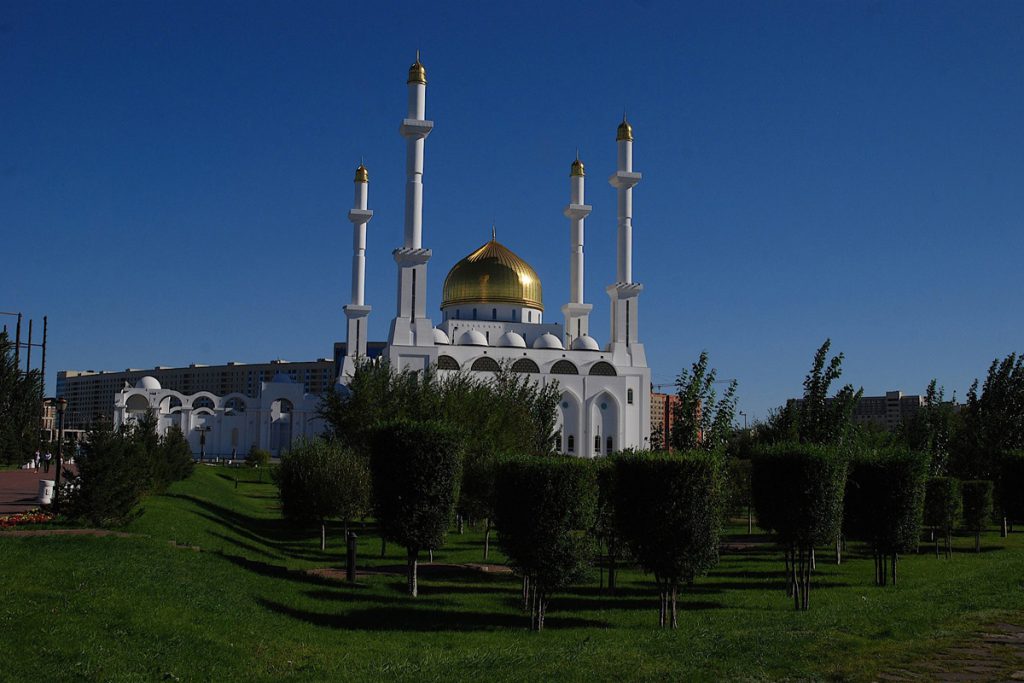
<point x="492" y="275"/>
<point x="625" y="131"/>
<point x="417" y="72"/>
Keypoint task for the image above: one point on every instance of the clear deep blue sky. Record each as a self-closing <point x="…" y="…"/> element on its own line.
<point x="174" y="177"/>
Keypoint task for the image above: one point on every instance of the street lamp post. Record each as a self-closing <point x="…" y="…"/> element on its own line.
<point x="62" y="404"/>
<point x="744" y="419"/>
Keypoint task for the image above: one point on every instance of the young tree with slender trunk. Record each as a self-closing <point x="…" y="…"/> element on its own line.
<point x="942" y="507"/>
<point x="668" y="510"/>
<point x="977" y="506"/>
<point x="545" y="511"/>
<point x="798" y="495"/>
<point x="415" y="468"/>
<point x="700" y="419"/>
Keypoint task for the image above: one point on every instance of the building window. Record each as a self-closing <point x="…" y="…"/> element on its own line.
<point x="572" y="443"/>
<point x="608" y="445"/>
<point x="447" y="363"/>
<point x="526" y="365"/>
<point x="494" y="314"/>
<point x="474" y="314"/>
<point x="603" y="368"/>
<point x="629" y="396"/>
<point x="485" y="364"/>
<point x="597" y="444"/>
<point x="564" y="367"/>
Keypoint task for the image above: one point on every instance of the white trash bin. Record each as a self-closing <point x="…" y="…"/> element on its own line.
<point x="45" y="491"/>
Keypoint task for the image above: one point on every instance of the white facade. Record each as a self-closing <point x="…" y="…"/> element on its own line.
<point x="605" y="391"/>
<point x="231" y="424"/>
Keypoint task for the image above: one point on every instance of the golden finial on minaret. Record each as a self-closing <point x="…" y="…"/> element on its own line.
<point x="362" y="175"/>
<point x="417" y="73"/>
<point x="625" y="131"/>
<point x="494" y="233"/>
<point x="577" y="166"/>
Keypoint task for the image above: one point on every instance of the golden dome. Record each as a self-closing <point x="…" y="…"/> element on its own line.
<point x="577" y="168"/>
<point x="625" y="131"/>
<point x="492" y="275"/>
<point x="362" y="175"/>
<point x="417" y="72"/>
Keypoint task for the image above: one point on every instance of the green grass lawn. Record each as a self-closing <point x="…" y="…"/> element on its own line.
<point x="149" y="607"/>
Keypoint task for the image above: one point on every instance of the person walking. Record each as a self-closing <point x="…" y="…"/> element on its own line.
<point x="35" y="460"/>
<point x="46" y="461"/>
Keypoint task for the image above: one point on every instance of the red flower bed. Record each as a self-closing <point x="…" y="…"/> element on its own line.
<point x="23" y="518"/>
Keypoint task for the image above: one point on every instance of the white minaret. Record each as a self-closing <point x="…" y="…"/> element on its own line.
<point x="356" y="311"/>
<point x="577" y="313"/>
<point x="624" y="294"/>
<point x="411" y="327"/>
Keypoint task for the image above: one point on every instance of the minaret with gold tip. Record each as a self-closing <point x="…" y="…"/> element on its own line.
<point x="624" y="294"/>
<point x="356" y="311"/>
<point x="411" y="326"/>
<point x="577" y="313"/>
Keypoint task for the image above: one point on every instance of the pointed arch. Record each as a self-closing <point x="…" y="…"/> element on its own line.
<point x="525" y="365"/>
<point x="603" y="368"/>
<point x="447" y="363"/>
<point x="564" y="367"/>
<point x="485" y="364"/>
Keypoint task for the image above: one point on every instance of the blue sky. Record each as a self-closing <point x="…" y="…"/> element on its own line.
<point x="174" y="177"/>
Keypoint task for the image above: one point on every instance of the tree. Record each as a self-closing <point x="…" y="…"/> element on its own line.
<point x="737" y="491"/>
<point x="798" y="495"/>
<point x="318" y="480"/>
<point x="816" y="418"/>
<point x="476" y="493"/>
<point x="545" y="512"/>
<point x="668" y="509"/>
<point x="932" y="428"/>
<point x="415" y="468"/>
<point x="1011" y="485"/>
<point x="884" y="503"/>
<point x="606" y="529"/>
<point x="20" y="406"/>
<point x="113" y="470"/>
<point x="176" y="455"/>
<point x="699" y="418"/>
<point x="942" y="507"/>
<point x="977" y="505"/>
<point x="257" y="458"/>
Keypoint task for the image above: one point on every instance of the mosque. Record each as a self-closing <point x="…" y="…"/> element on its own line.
<point x="493" y="310"/>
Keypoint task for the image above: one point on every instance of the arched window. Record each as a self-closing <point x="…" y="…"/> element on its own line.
<point x="572" y="443"/>
<point x="564" y="367"/>
<point x="447" y="363"/>
<point x="525" y="365"/>
<point x="494" y="314"/>
<point x="234" y="406"/>
<point x="609" y="445"/>
<point x="203" y="402"/>
<point x="629" y="396"/>
<point x="597" y="444"/>
<point x="602" y="368"/>
<point x="485" y="364"/>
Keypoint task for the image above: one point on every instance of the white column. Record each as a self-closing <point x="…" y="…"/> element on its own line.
<point x="411" y="327"/>
<point x="625" y="293"/>
<point x="577" y="313"/>
<point x="356" y="311"/>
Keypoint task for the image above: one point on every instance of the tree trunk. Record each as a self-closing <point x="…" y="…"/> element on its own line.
<point x="750" y="522"/>
<point x="1005" y="528"/>
<point x="789" y="572"/>
<point x="611" y="570"/>
<point x="542" y="609"/>
<point x="383" y="546"/>
<point x="949" y="545"/>
<point x="935" y="537"/>
<point x="813" y="564"/>
<point x="487" y="539"/>
<point x="675" y="617"/>
<point x="526" y="592"/>
<point x="323" y="535"/>
<point x="459" y="519"/>
<point x="411" y="558"/>
<point x="797" y="559"/>
<point x="977" y="541"/>
<point x="895" y="558"/>
<point x="839" y="549"/>
<point x="431" y="551"/>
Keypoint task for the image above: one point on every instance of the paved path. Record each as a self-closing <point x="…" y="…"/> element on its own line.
<point x="996" y="654"/>
<point x="19" y="488"/>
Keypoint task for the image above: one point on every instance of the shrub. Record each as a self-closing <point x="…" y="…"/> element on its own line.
<point x="605" y="527"/>
<point x="797" y="491"/>
<point x="667" y="507"/>
<point x="257" y="457"/>
<point x="175" y="454"/>
<point x="476" y="493"/>
<point x="1011" y="485"/>
<point x="737" y="493"/>
<point x="415" y="468"/>
<point x="884" y="504"/>
<point x="545" y="510"/>
<point x="113" y="471"/>
<point x="318" y="480"/>
<point x="977" y="505"/>
<point x="942" y="506"/>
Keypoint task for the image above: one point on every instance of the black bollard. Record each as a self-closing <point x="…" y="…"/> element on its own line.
<point x="350" y="560"/>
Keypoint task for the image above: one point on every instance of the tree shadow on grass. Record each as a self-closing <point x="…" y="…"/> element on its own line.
<point x="276" y="571"/>
<point x="414" y="619"/>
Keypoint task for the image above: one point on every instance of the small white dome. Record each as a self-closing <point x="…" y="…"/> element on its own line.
<point x="548" y="341"/>
<point x="473" y="338"/>
<point x="149" y="383"/>
<point x="513" y="340"/>
<point x="441" y="338"/>
<point x="585" y="343"/>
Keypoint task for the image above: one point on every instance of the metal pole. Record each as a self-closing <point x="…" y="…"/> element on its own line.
<point x="17" y="345"/>
<point x="42" y="368"/>
<point x="28" y="347"/>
